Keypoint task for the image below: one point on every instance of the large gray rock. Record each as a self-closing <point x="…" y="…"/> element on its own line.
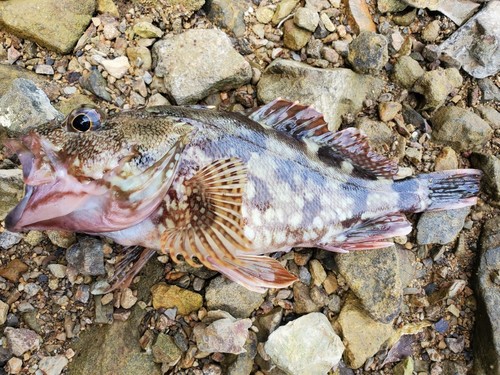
<point x="55" y="24"/>
<point x="25" y="105"/>
<point x="306" y="346"/>
<point x="460" y="129"/>
<point x="487" y="329"/>
<point x="198" y="63"/>
<point x="333" y="92"/>
<point x="476" y="44"/>
<point x="223" y="294"/>
<point x="374" y="278"/>
<point x="490" y="165"/>
<point x="11" y="186"/>
<point x="440" y="227"/>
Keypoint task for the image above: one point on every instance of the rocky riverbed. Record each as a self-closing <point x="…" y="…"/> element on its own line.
<point x="419" y="77"/>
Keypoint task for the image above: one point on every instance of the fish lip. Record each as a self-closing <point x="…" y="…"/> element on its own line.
<point x="14" y="218"/>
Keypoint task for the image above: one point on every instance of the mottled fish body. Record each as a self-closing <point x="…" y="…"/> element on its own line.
<point x="222" y="189"/>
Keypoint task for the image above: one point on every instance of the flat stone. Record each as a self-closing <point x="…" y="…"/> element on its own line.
<point x="264" y="14"/>
<point x="61" y="238"/>
<point x="87" y="257"/>
<point x="440" y="227"/>
<point x="4" y="310"/>
<point x="486" y="338"/>
<point x="117" y="67"/>
<point x="197" y="63"/>
<point x="147" y="30"/>
<point x="57" y="270"/>
<point x="13" y="270"/>
<point x="407" y="71"/>
<point x="303" y="302"/>
<point x="333" y="92"/>
<point x="25" y="105"/>
<point x="306" y="18"/>
<point x="53" y="365"/>
<point x="460" y="129"/>
<point x="489" y="90"/>
<point x="9" y="239"/>
<point x="36" y="21"/>
<point x="222" y="294"/>
<point x="94" y="82"/>
<point x="22" y="340"/>
<point x="447" y="159"/>
<point x="475" y="44"/>
<point x="359" y="16"/>
<point x="170" y="296"/>
<point x="374" y="279"/>
<point x="490" y="165"/>
<point x="391" y="6"/>
<point x="362" y="335"/>
<point x="305" y="346"/>
<point x="295" y="37"/>
<point x="227" y="335"/>
<point x="165" y="351"/>
<point x="388" y="110"/>
<point x="14" y="365"/>
<point x="368" y="53"/>
<point x="107" y="6"/>
<point x="127" y="298"/>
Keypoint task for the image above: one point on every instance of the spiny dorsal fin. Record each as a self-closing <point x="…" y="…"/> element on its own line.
<point x="301" y="121"/>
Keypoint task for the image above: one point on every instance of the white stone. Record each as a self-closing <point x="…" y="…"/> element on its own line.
<point x="116" y="67"/>
<point x="305" y="346"/>
<point x="4" y="310"/>
<point x="58" y="270"/>
<point x="53" y="365"/>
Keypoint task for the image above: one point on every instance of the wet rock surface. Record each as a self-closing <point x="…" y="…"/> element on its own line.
<point x="263" y="50"/>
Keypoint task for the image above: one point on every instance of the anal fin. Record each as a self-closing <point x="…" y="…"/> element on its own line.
<point x="370" y="234"/>
<point x="254" y="272"/>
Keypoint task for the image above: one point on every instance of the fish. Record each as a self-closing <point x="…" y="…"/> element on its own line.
<point x="223" y="190"/>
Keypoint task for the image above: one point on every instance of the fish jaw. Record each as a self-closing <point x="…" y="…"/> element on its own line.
<point x="60" y="196"/>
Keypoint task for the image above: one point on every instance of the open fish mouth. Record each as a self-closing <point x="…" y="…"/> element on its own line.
<point x="51" y="194"/>
<point x="60" y="196"/>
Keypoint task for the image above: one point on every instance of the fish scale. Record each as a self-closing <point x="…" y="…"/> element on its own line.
<point x="222" y="189"/>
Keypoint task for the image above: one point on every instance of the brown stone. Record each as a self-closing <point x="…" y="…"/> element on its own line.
<point x="360" y="17"/>
<point x="13" y="270"/>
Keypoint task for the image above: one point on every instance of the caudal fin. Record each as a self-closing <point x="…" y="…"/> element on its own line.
<point x="452" y="189"/>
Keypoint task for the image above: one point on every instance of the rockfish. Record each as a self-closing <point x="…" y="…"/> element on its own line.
<point x="222" y="189"/>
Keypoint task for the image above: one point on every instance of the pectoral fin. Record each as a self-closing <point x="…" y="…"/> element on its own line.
<point x="207" y="226"/>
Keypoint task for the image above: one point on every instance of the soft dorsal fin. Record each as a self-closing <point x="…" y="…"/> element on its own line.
<point x="207" y="225"/>
<point x="301" y="121"/>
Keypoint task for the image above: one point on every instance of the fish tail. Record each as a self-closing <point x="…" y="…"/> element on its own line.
<point x="451" y="189"/>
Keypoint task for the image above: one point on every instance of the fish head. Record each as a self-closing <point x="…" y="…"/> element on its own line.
<point x="90" y="175"/>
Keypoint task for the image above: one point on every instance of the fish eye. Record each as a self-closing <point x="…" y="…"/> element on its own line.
<point x="84" y="119"/>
